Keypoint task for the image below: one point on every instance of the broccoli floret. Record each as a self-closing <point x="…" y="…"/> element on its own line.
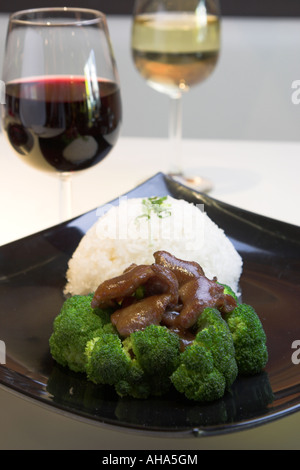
<point x="76" y="324"/>
<point x="155" y="348"/>
<point x="229" y="291"/>
<point x="139" y="366"/>
<point x="215" y="334"/>
<point x="108" y="363"/>
<point x="196" y="377"/>
<point x="208" y="367"/>
<point x="110" y="328"/>
<point x="157" y="351"/>
<point x="249" y="339"/>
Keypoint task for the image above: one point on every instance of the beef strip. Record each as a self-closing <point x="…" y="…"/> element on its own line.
<point x="141" y="314"/>
<point x="163" y="282"/>
<point x="184" y="270"/>
<point x="109" y="292"/>
<point x="198" y="294"/>
<point x="175" y="294"/>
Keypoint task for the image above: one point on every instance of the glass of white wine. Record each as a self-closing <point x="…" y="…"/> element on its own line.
<point x="175" y="46"/>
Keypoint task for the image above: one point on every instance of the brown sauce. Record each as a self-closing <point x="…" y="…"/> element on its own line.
<point x="175" y="294"/>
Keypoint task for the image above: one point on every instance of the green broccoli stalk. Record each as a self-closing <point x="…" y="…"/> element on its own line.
<point x="249" y="339"/>
<point x="76" y="324"/>
<point x="208" y="367"/>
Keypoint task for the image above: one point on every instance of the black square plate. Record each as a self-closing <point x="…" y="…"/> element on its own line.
<point x="32" y="278"/>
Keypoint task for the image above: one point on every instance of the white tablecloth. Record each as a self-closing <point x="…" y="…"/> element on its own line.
<point x="259" y="176"/>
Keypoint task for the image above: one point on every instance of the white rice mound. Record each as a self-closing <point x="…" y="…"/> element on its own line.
<point x="125" y="235"/>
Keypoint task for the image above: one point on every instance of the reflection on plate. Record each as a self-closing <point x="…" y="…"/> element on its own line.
<point x="32" y="277"/>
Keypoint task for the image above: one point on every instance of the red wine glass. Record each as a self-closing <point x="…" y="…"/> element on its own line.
<point x="62" y="110"/>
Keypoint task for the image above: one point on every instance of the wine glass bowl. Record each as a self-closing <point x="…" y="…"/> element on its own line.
<point x="175" y="46"/>
<point x="62" y="110"/>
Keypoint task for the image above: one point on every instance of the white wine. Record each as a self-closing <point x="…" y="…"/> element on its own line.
<point x="174" y="51"/>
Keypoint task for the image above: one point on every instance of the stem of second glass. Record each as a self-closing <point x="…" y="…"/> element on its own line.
<point x="65" y="202"/>
<point x="175" y="137"/>
<point x="175" y="134"/>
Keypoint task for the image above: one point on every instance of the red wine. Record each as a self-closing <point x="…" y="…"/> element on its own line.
<point x="62" y="123"/>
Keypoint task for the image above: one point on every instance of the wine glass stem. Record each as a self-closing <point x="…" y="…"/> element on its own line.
<point x="65" y="203"/>
<point x="175" y="133"/>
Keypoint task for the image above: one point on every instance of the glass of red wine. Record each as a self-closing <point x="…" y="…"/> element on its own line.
<point x="62" y="110"/>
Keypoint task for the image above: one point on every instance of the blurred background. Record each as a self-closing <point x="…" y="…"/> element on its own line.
<point x="248" y="96"/>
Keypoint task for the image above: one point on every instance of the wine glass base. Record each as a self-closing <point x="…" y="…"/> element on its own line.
<point x="198" y="183"/>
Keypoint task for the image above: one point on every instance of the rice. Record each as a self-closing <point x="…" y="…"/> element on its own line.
<point x="132" y="231"/>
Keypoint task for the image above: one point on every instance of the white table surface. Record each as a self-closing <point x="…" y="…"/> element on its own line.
<point x="258" y="176"/>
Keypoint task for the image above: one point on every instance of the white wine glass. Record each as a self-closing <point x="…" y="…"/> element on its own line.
<point x="62" y="111"/>
<point x="175" y="46"/>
